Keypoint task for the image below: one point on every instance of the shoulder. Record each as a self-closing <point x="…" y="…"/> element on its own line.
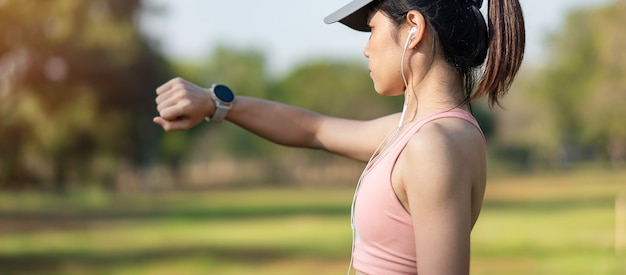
<point x="448" y="150"/>
<point x="446" y="136"/>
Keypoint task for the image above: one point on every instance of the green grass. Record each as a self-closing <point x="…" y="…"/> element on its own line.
<point x="538" y="224"/>
<point x="550" y="224"/>
<point x="218" y="232"/>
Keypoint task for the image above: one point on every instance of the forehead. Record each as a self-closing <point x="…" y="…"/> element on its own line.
<point x="377" y="17"/>
<point x="371" y="13"/>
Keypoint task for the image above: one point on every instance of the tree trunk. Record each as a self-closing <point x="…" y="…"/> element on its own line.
<point x="60" y="175"/>
<point x="617" y="151"/>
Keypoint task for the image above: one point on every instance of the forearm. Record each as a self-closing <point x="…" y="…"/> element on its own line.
<point x="276" y="122"/>
<point x="183" y="105"/>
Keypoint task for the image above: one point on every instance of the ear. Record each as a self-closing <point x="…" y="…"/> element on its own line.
<point x="416" y="20"/>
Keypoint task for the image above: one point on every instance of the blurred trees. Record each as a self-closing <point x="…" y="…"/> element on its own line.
<point x="572" y="107"/>
<point x="605" y="112"/>
<point x="75" y="92"/>
<point x="340" y="88"/>
<point x="77" y="83"/>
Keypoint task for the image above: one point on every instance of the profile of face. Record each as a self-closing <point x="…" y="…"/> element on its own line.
<point x="385" y="55"/>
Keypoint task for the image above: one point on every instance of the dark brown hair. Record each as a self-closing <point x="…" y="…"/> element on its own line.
<point x="468" y="42"/>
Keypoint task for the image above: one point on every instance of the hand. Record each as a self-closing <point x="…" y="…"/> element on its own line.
<point x="182" y="105"/>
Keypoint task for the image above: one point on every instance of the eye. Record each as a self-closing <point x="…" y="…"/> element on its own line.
<point x="371" y="30"/>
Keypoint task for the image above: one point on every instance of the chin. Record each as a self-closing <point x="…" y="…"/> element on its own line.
<point x="388" y="92"/>
<point x="379" y="91"/>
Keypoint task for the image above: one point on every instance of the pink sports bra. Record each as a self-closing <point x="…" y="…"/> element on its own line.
<point x="384" y="237"/>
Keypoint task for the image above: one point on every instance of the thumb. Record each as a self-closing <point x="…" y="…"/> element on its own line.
<point x="159" y="120"/>
<point x="176" y="125"/>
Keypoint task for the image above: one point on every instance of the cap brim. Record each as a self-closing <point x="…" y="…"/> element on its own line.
<point x="353" y="15"/>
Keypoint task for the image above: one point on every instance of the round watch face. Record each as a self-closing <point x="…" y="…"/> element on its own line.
<point x="223" y="93"/>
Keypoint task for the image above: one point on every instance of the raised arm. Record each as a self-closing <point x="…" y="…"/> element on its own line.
<point x="183" y="105"/>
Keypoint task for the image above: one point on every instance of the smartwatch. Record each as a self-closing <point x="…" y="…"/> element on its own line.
<point x="223" y="98"/>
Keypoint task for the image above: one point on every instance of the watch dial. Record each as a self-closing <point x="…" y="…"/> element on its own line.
<point x="223" y="93"/>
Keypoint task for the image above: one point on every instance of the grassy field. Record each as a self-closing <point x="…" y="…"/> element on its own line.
<point x="535" y="224"/>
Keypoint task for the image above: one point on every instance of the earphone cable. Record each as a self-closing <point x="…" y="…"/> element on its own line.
<point x="379" y="150"/>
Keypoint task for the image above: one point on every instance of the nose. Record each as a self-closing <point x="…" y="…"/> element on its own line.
<point x="366" y="50"/>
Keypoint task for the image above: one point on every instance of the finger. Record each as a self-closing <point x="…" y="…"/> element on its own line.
<point x="167" y="103"/>
<point x="172" y="94"/>
<point x="176" y="90"/>
<point x="172" y="113"/>
<point x="168" y="85"/>
<point x="163" y="88"/>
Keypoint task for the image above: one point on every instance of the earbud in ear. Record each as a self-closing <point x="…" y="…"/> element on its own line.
<point x="412" y="32"/>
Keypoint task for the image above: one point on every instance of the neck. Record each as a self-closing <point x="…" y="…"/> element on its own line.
<point x="441" y="88"/>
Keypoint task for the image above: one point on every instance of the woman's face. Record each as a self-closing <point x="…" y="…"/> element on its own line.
<point x="385" y="56"/>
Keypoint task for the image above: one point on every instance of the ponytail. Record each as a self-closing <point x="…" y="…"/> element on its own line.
<point x="507" y="40"/>
<point x="489" y="52"/>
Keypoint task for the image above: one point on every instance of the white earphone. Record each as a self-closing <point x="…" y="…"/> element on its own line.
<point x="412" y="32"/>
<point x="408" y="39"/>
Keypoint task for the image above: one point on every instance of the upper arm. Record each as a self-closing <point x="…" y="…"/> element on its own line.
<point x="437" y="177"/>
<point x="351" y="138"/>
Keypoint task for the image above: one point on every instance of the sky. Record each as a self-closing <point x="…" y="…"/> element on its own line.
<point x="290" y="32"/>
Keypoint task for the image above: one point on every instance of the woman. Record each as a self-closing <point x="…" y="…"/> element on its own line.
<point x="422" y="189"/>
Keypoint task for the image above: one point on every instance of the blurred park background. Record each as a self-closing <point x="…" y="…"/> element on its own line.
<point x="89" y="185"/>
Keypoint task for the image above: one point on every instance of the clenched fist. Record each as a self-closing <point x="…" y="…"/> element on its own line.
<point x="182" y="105"/>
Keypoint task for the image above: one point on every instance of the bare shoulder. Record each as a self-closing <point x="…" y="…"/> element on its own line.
<point x="450" y="133"/>
<point x="445" y="150"/>
<point x="447" y="136"/>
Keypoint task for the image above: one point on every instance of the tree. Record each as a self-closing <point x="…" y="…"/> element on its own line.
<point x="335" y="87"/>
<point x="78" y="90"/>
<point x="604" y="115"/>
<point x="574" y="101"/>
<point x="585" y="82"/>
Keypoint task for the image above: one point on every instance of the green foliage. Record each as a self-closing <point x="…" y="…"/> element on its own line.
<point x="575" y="99"/>
<point x="341" y="88"/>
<point x="77" y="84"/>
<point x="244" y="70"/>
<point x="485" y="118"/>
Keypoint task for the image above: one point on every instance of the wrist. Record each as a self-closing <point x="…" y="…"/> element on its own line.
<point x="209" y="104"/>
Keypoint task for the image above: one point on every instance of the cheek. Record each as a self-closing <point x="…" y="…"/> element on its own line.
<point x="385" y="64"/>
